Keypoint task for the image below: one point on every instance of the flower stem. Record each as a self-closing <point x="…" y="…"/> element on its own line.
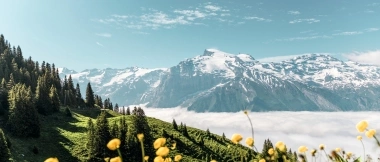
<point x="327" y="157"/>
<point x="142" y="150"/>
<point x="118" y="151"/>
<point x="363" y="150"/>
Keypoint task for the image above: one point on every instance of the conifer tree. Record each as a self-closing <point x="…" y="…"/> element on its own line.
<point x="101" y="137"/>
<point x="54" y="99"/>
<point x="116" y="108"/>
<point x="140" y="125"/>
<point x="90" y="134"/>
<point x="78" y="96"/>
<point x="90" y="101"/>
<point x="42" y="96"/>
<point x="4" y="150"/>
<point x="123" y="128"/>
<point x="23" y="118"/>
<point x="175" y="126"/>
<point x="128" y="111"/>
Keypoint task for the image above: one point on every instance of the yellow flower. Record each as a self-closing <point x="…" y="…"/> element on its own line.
<point x="174" y="145"/>
<point x="114" y="144"/>
<point x="116" y="159"/>
<point x="140" y="136"/>
<point x="262" y="160"/>
<point x="159" y="159"/>
<point x="313" y="152"/>
<point x="349" y="154"/>
<point x="321" y="146"/>
<point x="271" y="151"/>
<point x="213" y="161"/>
<point x="338" y="149"/>
<point x="162" y="151"/>
<point x="302" y="149"/>
<point x="362" y="125"/>
<point x="249" y="141"/>
<point x="107" y="159"/>
<point x="160" y="142"/>
<point x="177" y="158"/>
<point x="53" y="159"/>
<point x="168" y="160"/>
<point x="146" y="158"/>
<point x="359" y="138"/>
<point x="245" y="112"/>
<point x="280" y="145"/>
<point x="370" y="133"/>
<point x="236" y="138"/>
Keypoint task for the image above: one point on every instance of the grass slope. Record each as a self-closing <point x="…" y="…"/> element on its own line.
<point x="65" y="137"/>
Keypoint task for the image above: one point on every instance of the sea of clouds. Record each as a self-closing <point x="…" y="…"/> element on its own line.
<point x="334" y="129"/>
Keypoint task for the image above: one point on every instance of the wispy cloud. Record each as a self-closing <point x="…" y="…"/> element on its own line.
<point x="370" y="57"/>
<point x="212" y="8"/>
<point x="349" y="33"/>
<point x="154" y="19"/>
<point x="309" y="21"/>
<point x="304" y="38"/>
<point x="371" y="29"/>
<point x="374" y="4"/>
<point x="294" y="12"/>
<point x="257" y="18"/>
<point x="107" y="35"/>
<point x="99" y="44"/>
<point x="142" y="33"/>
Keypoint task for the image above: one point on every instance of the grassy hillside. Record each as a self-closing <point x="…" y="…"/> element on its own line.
<point x="65" y="137"/>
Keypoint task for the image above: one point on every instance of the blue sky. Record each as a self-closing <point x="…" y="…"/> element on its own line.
<point x="153" y="34"/>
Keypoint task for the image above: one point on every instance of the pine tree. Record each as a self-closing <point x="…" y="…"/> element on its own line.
<point x="42" y="96"/>
<point x="116" y="108"/>
<point x="90" y="101"/>
<point x="123" y="128"/>
<point x="4" y="150"/>
<point x="23" y="118"/>
<point x="140" y="125"/>
<point x="54" y="99"/>
<point x="71" y="93"/>
<point x="78" y="96"/>
<point x="128" y="111"/>
<point x="101" y="137"/>
<point x="175" y="126"/>
<point x="90" y="134"/>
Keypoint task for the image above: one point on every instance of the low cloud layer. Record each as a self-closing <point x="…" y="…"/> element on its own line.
<point x="370" y="57"/>
<point x="334" y="129"/>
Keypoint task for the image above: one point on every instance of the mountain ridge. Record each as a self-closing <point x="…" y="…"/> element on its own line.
<point x="219" y="81"/>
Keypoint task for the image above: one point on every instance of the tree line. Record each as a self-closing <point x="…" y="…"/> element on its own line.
<point x="28" y="88"/>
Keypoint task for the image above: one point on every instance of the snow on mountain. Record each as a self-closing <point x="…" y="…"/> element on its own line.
<point x="219" y="81"/>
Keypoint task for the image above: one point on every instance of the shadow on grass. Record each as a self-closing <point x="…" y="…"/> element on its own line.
<point x="59" y="138"/>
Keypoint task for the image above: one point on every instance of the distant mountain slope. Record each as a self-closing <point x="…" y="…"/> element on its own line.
<point x="222" y="82"/>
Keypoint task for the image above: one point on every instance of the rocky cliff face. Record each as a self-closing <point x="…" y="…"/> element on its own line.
<point x="220" y="82"/>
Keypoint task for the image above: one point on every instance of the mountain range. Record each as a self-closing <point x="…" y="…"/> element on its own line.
<point x="221" y="82"/>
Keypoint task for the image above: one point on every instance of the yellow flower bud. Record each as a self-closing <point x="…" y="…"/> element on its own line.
<point x="53" y="159"/>
<point x="140" y="137"/>
<point x="114" y="144"/>
<point x="116" y="159"/>
<point x="160" y="142"/>
<point x="162" y="151"/>
<point x="249" y="141"/>
<point x="362" y="125"/>
<point x="177" y="158"/>
<point x="236" y="138"/>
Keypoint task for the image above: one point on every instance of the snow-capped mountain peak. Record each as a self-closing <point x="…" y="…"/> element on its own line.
<point x="220" y="81"/>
